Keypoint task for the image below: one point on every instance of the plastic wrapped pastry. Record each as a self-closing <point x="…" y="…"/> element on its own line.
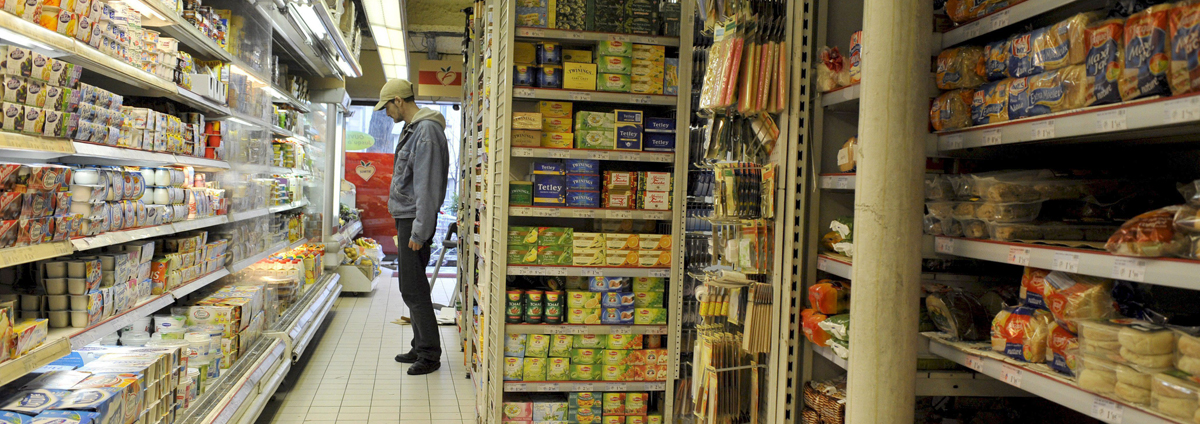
<point x="831" y="72"/>
<point x="1023" y="332"/>
<point x="1097" y="375"/>
<point x="960" y="67"/>
<point x="1099" y="338"/>
<point x="1074" y="297"/>
<point x="811" y="320"/>
<point x="1105" y="59"/>
<point x="830" y="297"/>
<point x="951" y="110"/>
<point x="1134" y="385"/>
<point x="1173" y="395"/>
<point x="1060" y="355"/>
<point x="958" y="314"/>
<point x="1146" y="54"/>
<point x="1151" y="234"/>
<point x="1033" y="287"/>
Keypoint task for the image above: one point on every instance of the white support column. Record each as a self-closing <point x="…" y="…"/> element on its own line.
<point x="887" y="211"/>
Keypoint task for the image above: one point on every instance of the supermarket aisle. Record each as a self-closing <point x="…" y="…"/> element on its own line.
<point x="352" y="376"/>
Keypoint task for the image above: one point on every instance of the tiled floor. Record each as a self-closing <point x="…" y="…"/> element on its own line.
<point x="351" y="376"/>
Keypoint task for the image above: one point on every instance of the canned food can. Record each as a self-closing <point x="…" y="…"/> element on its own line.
<point x="534" y="307"/>
<point x="514" y="307"/>
<point x="554" y="307"/>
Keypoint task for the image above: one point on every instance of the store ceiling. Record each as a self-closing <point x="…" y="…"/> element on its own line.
<point x="443" y="20"/>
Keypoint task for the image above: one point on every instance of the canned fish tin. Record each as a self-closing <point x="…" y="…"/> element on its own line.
<point x="554" y="307"/>
<point x="534" y="306"/>
<point x="513" y="307"/>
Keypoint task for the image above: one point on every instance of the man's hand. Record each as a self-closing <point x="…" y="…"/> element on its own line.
<point x="414" y="245"/>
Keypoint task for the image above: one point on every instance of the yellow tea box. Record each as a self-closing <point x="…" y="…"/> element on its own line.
<point x="576" y="56"/>
<point x="558" y="140"/>
<point x="588" y="256"/>
<point x="524" y="53"/>
<point x="556" y="125"/>
<point x="655" y="242"/>
<point x="623" y="241"/>
<point x="582" y="240"/>
<point x="654" y="259"/>
<point x="550" y="109"/>
<point x="527" y="121"/>
<point x="526" y="138"/>
<point x="582" y="299"/>
<point x="579" y="76"/>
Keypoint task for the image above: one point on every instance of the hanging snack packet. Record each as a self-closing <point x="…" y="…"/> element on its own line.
<point x="1184" y="25"/>
<point x="1105" y="59"/>
<point x="1146" y="60"/>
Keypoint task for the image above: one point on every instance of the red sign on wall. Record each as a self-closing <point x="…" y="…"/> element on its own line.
<point x="371" y="174"/>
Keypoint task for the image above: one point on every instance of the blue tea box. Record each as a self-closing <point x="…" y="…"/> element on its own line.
<point x="629" y="136"/>
<point x="660" y="125"/>
<point x="659" y="142"/>
<point x="630" y="116"/>
<point x="550" y="76"/>
<point x="616" y="315"/>
<point x="549" y="53"/>
<point x="549" y="190"/>
<point x="583" y="166"/>
<point x="547" y="168"/>
<point x="616" y="299"/>
<point x="577" y="182"/>
<point x="583" y="199"/>
<point x="524" y="75"/>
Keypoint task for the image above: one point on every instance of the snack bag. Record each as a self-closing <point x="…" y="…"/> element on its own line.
<point x="1146" y="50"/>
<point x="1184" y="27"/>
<point x="1105" y="59"/>
<point x="1024" y="332"/>
<point x="951" y="110"/>
<point x="960" y="67"/>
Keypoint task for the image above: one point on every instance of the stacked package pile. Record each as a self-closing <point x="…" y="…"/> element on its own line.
<point x="42" y="95"/>
<point x="123" y="280"/>
<point x="584" y="357"/>
<point x="615" y="300"/>
<point x="540" y="245"/>
<point x="34" y="206"/>
<point x="612" y="66"/>
<point x="238" y="311"/>
<point x="556" y="246"/>
<point x="185" y="258"/>
<point x="649" y="17"/>
<point x="827" y="322"/>
<point x="583" y="408"/>
<point x="629" y="130"/>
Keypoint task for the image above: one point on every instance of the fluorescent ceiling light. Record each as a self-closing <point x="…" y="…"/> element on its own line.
<point x="380" y="35"/>
<point x="391" y="12"/>
<point x="373" y="8"/>
<point x="313" y="21"/>
<point x="385" y="56"/>
<point x="397" y="38"/>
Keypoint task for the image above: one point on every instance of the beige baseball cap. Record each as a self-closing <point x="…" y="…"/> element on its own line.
<point x="397" y="88"/>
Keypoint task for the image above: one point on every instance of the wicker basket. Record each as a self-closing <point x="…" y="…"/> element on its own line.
<point x="810" y="396"/>
<point x="809" y="416"/>
<point x="832" y="409"/>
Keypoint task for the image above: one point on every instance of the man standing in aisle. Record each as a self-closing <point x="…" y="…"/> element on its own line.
<point x="417" y="192"/>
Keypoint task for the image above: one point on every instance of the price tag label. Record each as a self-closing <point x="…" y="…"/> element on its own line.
<point x="944" y="245"/>
<point x="952" y="142"/>
<point x="617" y="387"/>
<point x="545" y="212"/>
<point x="586" y="214"/>
<point x="1129" y="269"/>
<point x="1107" y="410"/>
<point x="661" y="273"/>
<point x="620" y="214"/>
<point x="992" y="137"/>
<point x="1065" y="262"/>
<point x="595" y="155"/>
<point x="81" y="244"/>
<point x="575" y="35"/>
<point x="592" y="272"/>
<point x="622" y="330"/>
<point x="619" y="37"/>
<point x="842" y="182"/>
<point x="1019" y="255"/>
<point x="1042" y="130"/>
<point x="999" y="20"/>
<point x="823" y="264"/>
<point x="522" y="211"/>
<point x="1113" y="120"/>
<point x="522" y="92"/>
<point x="556" y="329"/>
<point x="585" y="387"/>
<point x="1011" y="375"/>
<point x="559" y="154"/>
<point x="627" y="156"/>
<point x="556" y="271"/>
<point x="530" y="32"/>
<point x="577" y="330"/>
<point x="975" y="363"/>
<point x="1182" y="110"/>
<point x="641" y="100"/>
<point x="548" y="387"/>
<point x="581" y="97"/>
<point x="973" y="29"/>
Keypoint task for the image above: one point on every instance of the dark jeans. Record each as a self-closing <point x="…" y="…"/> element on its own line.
<point x="414" y="288"/>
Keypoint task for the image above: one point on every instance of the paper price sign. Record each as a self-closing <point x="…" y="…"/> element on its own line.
<point x="1011" y="375"/>
<point x="621" y="38"/>
<point x="1113" y="120"/>
<point x="585" y="214"/>
<point x="641" y="100"/>
<point x="953" y="142"/>
<point x="556" y="330"/>
<point x="533" y="33"/>
<point x="618" y="387"/>
<point x="945" y="245"/>
<point x="1042" y="130"/>
<point x="585" y="387"/>
<point x="559" y="154"/>
<point x="577" y="330"/>
<point x="620" y="214"/>
<point x="660" y="273"/>
<point x="551" y="387"/>
<point x="992" y="137"/>
<point x="999" y="20"/>
<point x="522" y="92"/>
<point x="975" y="363"/>
<point x="622" y="330"/>
<point x="627" y="156"/>
<point x="576" y="36"/>
<point x="561" y="272"/>
<point x="842" y="182"/>
<point x="592" y="272"/>
<point x="1182" y="110"/>
<point x="584" y="97"/>
<point x="545" y="212"/>
<point x="1107" y="410"/>
<point x="823" y="264"/>
<point x="1019" y="255"/>
<point x="1129" y="269"/>
<point x="1065" y="262"/>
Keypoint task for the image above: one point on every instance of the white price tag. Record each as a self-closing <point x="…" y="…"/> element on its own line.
<point x="627" y="156"/>
<point x="577" y="330"/>
<point x="549" y="387"/>
<point x="620" y="214"/>
<point x="581" y="97"/>
<point x="556" y="329"/>
<point x="1112" y="120"/>
<point x="622" y="330"/>
<point x="641" y="100"/>
<point x="1182" y="110"/>
<point x="975" y="363"/>
<point x="842" y="183"/>
<point x="619" y="37"/>
<point x="586" y="213"/>
<point x="822" y="264"/>
<point x="557" y="271"/>
<point x="545" y="212"/>
<point x="999" y="20"/>
<point x="592" y="272"/>
<point x="1065" y="262"/>
<point x="576" y="35"/>
<point x="944" y="245"/>
<point x="522" y="211"/>
<point x="559" y="153"/>
<point x="533" y="32"/>
<point x="1011" y="375"/>
<point x="661" y="273"/>
<point x="1107" y="410"/>
<point x="522" y="92"/>
<point x="953" y="142"/>
<point x="1042" y="130"/>
<point x="973" y="29"/>
<point x="992" y="137"/>
<point x="1019" y="255"/>
<point x="1129" y="269"/>
<point x="584" y="387"/>
<point x="617" y="387"/>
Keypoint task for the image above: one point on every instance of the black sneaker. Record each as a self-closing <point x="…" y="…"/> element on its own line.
<point x="406" y="358"/>
<point x="423" y="367"/>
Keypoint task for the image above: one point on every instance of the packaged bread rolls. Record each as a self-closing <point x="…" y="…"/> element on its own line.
<point x="960" y="67"/>
<point x="1173" y="395"/>
<point x="990" y="104"/>
<point x="830" y="297"/>
<point x="1133" y="386"/>
<point x="1151" y="234"/>
<point x="810" y="319"/>
<point x="961" y="11"/>
<point x="1189" y="345"/>
<point x="995" y="60"/>
<point x="1097" y="375"/>
<point x="1074" y="297"/>
<point x="1026" y="333"/>
<point x="1061" y="349"/>
<point x="1188" y="364"/>
<point x="830" y="70"/>
<point x="1105" y="59"/>
<point x="1146" y="54"/>
<point x="951" y="110"/>
<point x="1062" y="44"/>
<point x="845" y="155"/>
<point x="1184" y="28"/>
<point x="1099" y="338"/>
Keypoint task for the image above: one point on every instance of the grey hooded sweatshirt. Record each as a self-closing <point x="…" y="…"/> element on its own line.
<point x="419" y="174"/>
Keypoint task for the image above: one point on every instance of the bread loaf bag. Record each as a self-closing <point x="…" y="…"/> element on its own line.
<point x="960" y="67"/>
<point x="958" y="314"/>
<point x="961" y="11"/>
<point x="1025" y="332"/>
<point x="1060" y="45"/>
<point x="951" y="110"/>
<point x="1021" y="61"/>
<point x="995" y="60"/>
<point x="828" y="70"/>
<point x="1151" y="234"/>
<point x="1061" y="349"/>
<point x="990" y="104"/>
<point x="1074" y="297"/>
<point x="1059" y="90"/>
<point x="1033" y="287"/>
<point x="1105" y="59"/>
<point x="830" y="297"/>
<point x="1146" y="60"/>
<point x="1184" y="27"/>
<point x="1018" y="98"/>
<point x="855" y="71"/>
<point x="810" y="320"/>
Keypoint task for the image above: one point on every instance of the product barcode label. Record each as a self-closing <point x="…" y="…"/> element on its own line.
<point x="1182" y="110"/>
<point x="1065" y="262"/>
<point x="1113" y="120"/>
<point x="975" y="363"/>
<point x="1019" y="255"/>
<point x="1042" y="130"/>
<point x="953" y="142"/>
<point x="1129" y="269"/>
<point x="1107" y="410"/>
<point x="991" y="137"/>
<point x="1011" y="375"/>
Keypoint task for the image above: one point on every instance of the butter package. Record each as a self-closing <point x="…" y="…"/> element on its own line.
<point x="534" y="369"/>
<point x="671" y="77"/>
<point x="649" y="284"/>
<point x="614" y="48"/>
<point x="558" y="140"/>
<point x="649" y="316"/>
<point x="576" y="56"/>
<point x="524" y="53"/>
<point x="595" y="121"/>
<point x="556" y="125"/>
<point x="527" y="121"/>
<point x="583" y="198"/>
<point x="648" y="299"/>
<point x="526" y="138"/>
<point x="583" y="300"/>
<point x="655" y="242"/>
<point x="654" y="259"/>
<point x="621" y="258"/>
<point x="614" y="83"/>
<point x="606" y="64"/>
<point x="585" y="372"/>
<point x="623" y="241"/>
<point x="596" y="140"/>
<point x="658" y="142"/>
<point x="583" y="182"/>
<point x="579" y="76"/>
<point x="550" y="109"/>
